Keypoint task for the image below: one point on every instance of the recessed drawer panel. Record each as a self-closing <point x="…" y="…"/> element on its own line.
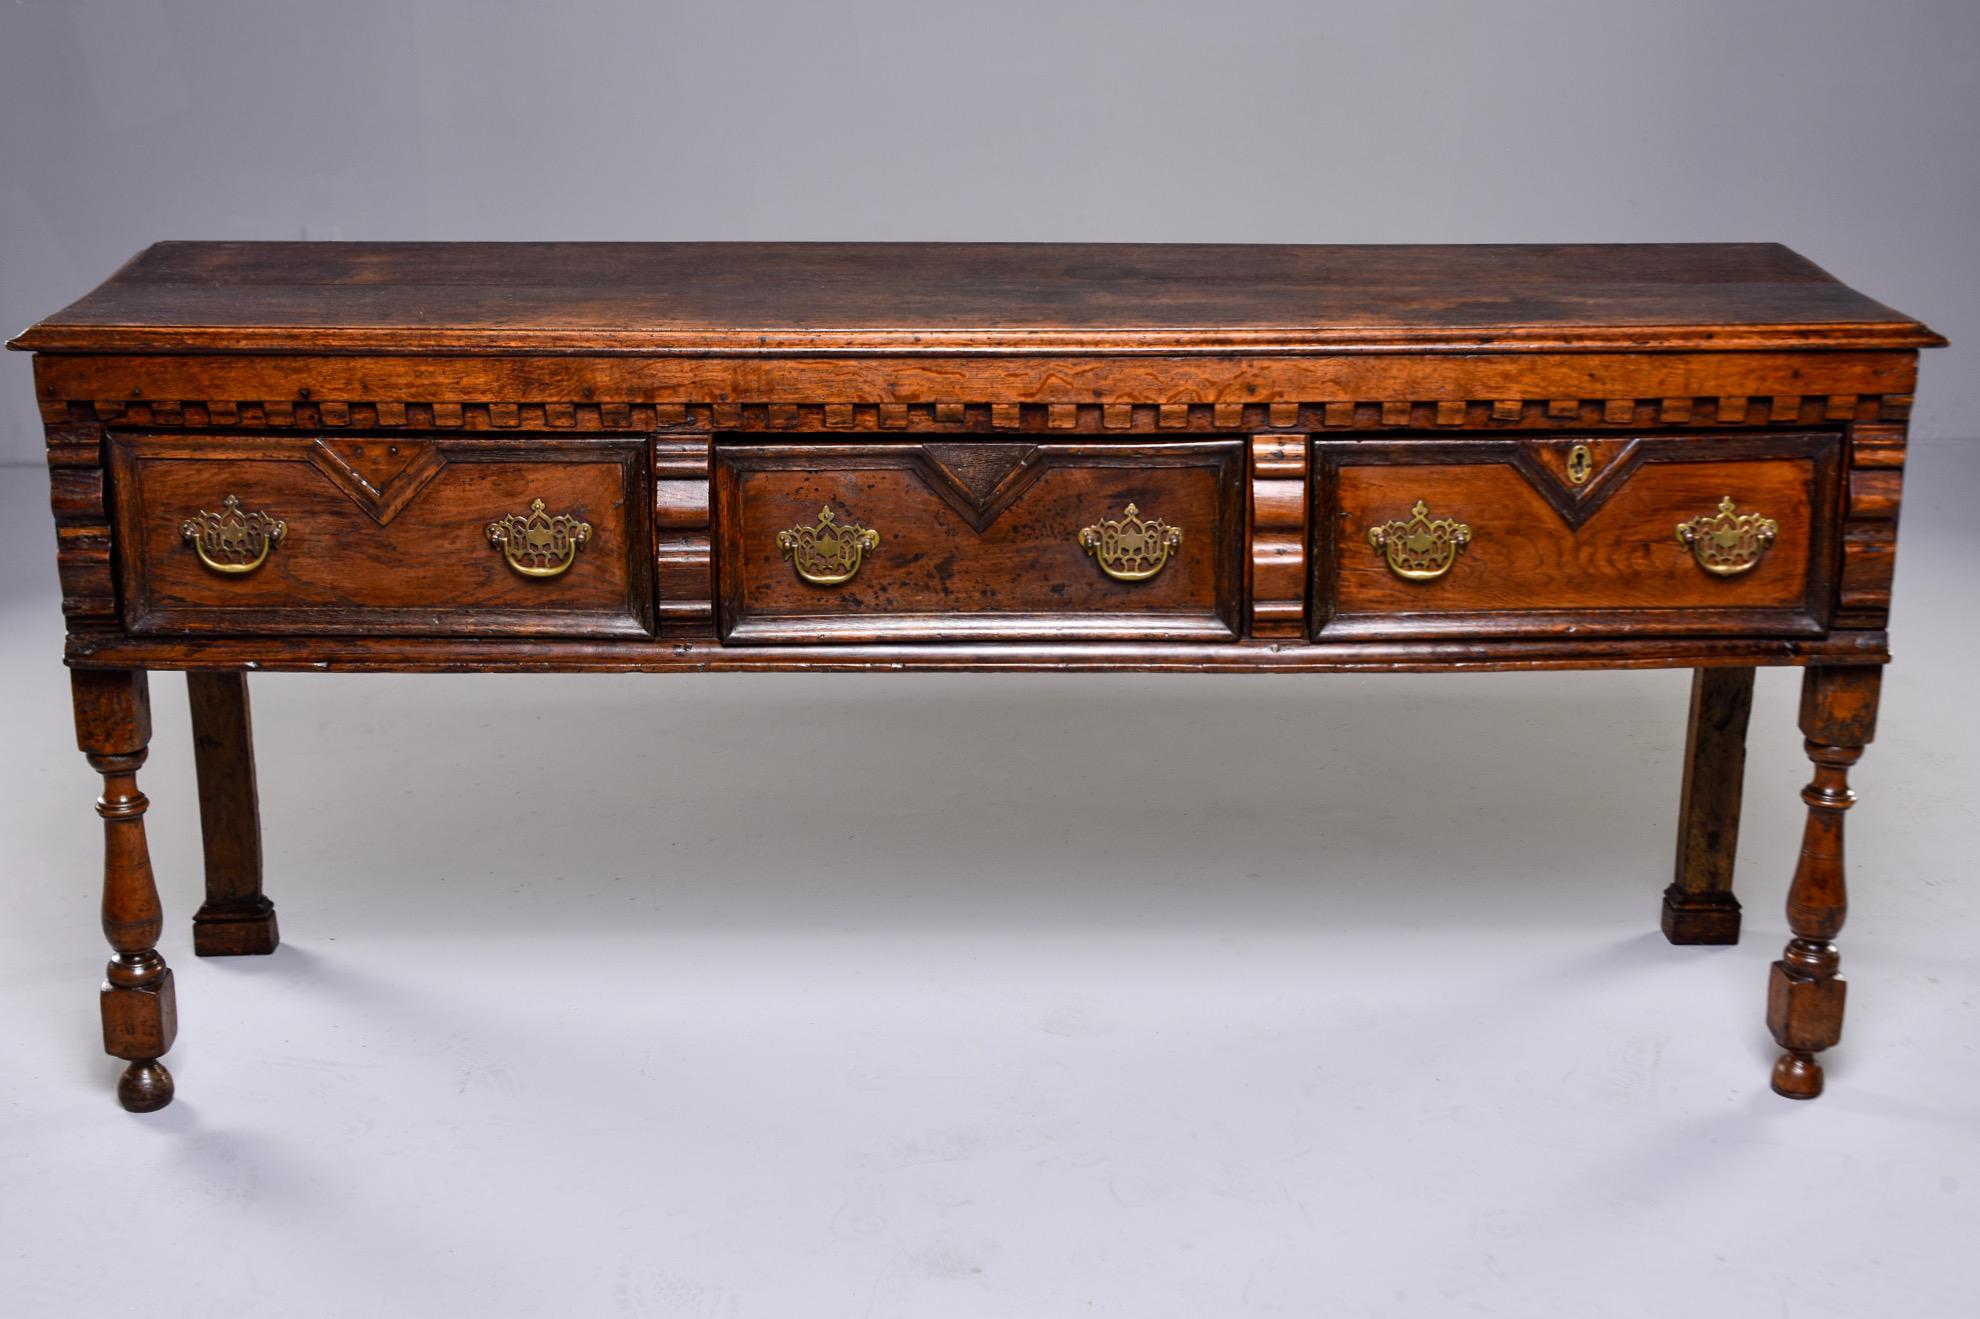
<point x="1591" y="536"/>
<point x="868" y="542"/>
<point x="401" y="534"/>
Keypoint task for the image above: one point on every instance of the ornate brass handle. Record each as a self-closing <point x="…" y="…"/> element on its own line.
<point x="537" y="544"/>
<point x="1131" y="548"/>
<point x="828" y="552"/>
<point x="1420" y="549"/>
<point x="1728" y="542"/>
<point x="231" y="541"/>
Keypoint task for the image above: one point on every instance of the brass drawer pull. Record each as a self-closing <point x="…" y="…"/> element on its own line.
<point x="537" y="544"/>
<point x="828" y="552"/>
<point x="1420" y="550"/>
<point x="1728" y="542"/>
<point x="1131" y="548"/>
<point x="231" y="541"/>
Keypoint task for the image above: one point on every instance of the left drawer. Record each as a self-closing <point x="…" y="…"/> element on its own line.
<point x="390" y="534"/>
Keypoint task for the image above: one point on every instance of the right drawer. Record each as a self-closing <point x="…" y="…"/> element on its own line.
<point x="1575" y="536"/>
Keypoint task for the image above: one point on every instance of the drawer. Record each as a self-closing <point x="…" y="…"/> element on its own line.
<point x="951" y="541"/>
<point x="382" y="534"/>
<point x="1575" y="536"/>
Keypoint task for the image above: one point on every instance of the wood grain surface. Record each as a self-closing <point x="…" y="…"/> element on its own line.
<point x="744" y="298"/>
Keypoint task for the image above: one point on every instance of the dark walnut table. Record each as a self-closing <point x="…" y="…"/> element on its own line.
<point x="675" y="457"/>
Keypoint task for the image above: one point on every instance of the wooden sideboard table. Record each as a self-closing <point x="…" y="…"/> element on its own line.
<point x="669" y="457"/>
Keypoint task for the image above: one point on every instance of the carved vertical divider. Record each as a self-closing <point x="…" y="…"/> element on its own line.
<point x="1875" y="478"/>
<point x="1278" y="535"/>
<point x="682" y="514"/>
<point x="82" y="518"/>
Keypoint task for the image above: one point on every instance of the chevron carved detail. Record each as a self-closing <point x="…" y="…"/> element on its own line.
<point x="979" y="480"/>
<point x="1579" y="475"/>
<point x="380" y="475"/>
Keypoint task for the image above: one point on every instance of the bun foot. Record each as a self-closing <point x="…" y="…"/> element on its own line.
<point x="145" y="1087"/>
<point x="1797" y="1075"/>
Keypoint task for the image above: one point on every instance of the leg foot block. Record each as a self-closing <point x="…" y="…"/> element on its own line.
<point x="1805" y="1014"/>
<point x="245" y="930"/>
<point x="1700" y="917"/>
<point x="139" y="1024"/>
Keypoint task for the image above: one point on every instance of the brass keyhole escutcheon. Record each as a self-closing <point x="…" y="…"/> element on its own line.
<point x="1580" y="464"/>
<point x="232" y="541"/>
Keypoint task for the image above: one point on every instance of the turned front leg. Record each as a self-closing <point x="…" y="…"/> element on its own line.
<point x="1805" y="995"/>
<point x="1699" y="906"/>
<point x="140" y="1016"/>
<point x="236" y="918"/>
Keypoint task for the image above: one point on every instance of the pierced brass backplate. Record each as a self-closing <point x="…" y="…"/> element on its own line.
<point x="1131" y="548"/>
<point x="1580" y="465"/>
<point x="231" y="541"/>
<point x="537" y="544"/>
<point x="1420" y="549"/>
<point x="1728" y="542"/>
<point x="828" y="552"/>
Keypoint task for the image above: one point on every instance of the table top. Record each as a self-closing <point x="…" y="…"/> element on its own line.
<point x="918" y="298"/>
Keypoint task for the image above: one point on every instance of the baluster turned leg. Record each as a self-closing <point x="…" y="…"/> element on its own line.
<point x="236" y="919"/>
<point x="1699" y="906"/>
<point x="1805" y="996"/>
<point x="140" y="1016"/>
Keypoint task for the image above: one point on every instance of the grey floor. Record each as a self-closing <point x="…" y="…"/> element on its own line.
<point x="1017" y="995"/>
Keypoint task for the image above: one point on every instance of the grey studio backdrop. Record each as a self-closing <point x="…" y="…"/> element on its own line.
<point x="811" y="995"/>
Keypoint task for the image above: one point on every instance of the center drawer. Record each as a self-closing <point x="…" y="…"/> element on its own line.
<point x="978" y="539"/>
